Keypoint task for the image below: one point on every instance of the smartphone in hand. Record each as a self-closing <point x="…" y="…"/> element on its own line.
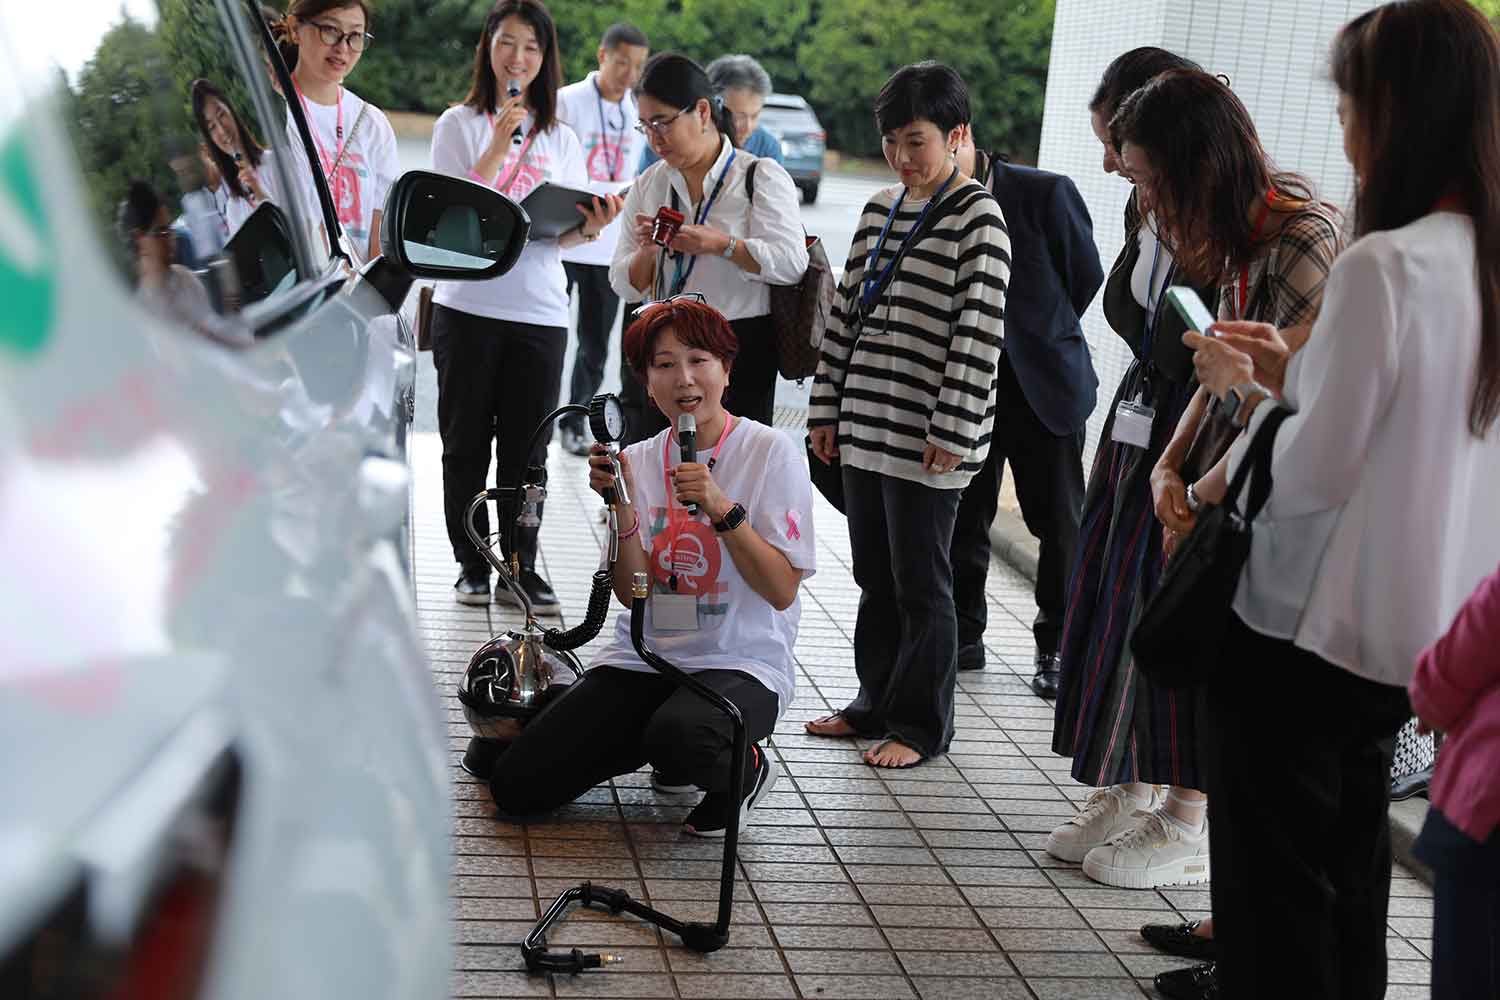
<point x="1191" y="308"/>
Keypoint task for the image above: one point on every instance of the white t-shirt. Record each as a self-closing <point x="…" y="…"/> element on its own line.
<point x="738" y="629"/>
<point x="238" y="209"/>
<point x="535" y="290"/>
<point x="369" y="166"/>
<point x="611" y="154"/>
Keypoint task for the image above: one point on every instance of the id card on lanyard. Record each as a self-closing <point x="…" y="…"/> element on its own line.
<point x="674" y="612"/>
<point x="874" y="281"/>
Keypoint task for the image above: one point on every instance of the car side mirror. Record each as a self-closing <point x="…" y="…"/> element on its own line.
<point x="450" y="229"/>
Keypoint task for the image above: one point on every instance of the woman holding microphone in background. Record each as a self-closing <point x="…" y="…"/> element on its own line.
<point x="498" y="345"/>
<point x="729" y="248"/>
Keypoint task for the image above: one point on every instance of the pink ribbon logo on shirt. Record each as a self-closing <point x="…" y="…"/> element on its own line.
<point x="792" y="530"/>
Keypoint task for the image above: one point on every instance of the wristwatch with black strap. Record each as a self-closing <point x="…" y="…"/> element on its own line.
<point x="733" y="518"/>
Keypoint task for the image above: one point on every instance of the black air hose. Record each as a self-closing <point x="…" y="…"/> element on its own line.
<point x="585" y="630"/>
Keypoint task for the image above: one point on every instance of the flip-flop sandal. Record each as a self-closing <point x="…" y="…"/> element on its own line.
<point x="828" y="720"/>
<point x="894" y="767"/>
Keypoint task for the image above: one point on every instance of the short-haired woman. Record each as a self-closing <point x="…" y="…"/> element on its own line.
<point x="353" y="139"/>
<point x="498" y="345"/>
<point x="1381" y="519"/>
<point x="904" y="397"/>
<point x="731" y="247"/>
<point x="724" y="592"/>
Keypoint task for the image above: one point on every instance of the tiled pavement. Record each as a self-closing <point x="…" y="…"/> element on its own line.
<point x="856" y="884"/>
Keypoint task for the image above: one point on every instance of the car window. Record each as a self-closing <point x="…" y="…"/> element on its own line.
<point x="786" y="120"/>
<point x="182" y="148"/>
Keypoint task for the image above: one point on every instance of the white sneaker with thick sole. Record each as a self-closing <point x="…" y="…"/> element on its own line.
<point x="1155" y="852"/>
<point x="1105" y="815"/>
<point x="709" y="817"/>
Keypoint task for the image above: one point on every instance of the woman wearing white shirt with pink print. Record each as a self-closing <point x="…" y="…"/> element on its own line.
<point x="498" y="345"/>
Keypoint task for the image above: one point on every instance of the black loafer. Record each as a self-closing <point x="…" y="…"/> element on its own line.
<point x="971" y="657"/>
<point x="1179" y="940"/>
<point x="1199" y="982"/>
<point x="543" y="600"/>
<point x="1409" y="785"/>
<point x="1048" y="670"/>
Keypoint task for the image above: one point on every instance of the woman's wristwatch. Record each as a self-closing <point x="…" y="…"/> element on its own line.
<point x="729" y="250"/>
<point x="733" y="518"/>
<point x="1238" y="401"/>
<point x="1194" y="502"/>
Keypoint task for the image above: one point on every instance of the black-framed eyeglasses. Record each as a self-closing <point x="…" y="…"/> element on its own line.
<point x="659" y="128"/>
<point x="697" y="297"/>
<point x="332" y="34"/>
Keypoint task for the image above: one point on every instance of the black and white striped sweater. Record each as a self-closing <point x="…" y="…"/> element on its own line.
<point x="921" y="369"/>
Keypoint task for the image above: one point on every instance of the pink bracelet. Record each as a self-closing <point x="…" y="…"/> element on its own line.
<point x="633" y="528"/>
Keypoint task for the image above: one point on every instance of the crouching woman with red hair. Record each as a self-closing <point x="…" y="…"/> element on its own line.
<point x="724" y="593"/>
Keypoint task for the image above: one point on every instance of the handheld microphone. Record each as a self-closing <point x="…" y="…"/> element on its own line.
<point x="512" y="91"/>
<point x="687" y="438"/>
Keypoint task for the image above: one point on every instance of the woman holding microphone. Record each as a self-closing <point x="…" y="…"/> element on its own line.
<point x="498" y="345"/>
<point x="730" y="246"/>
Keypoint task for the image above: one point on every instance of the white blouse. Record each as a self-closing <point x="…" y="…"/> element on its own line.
<point x="772" y="232"/>
<point x="1385" y="510"/>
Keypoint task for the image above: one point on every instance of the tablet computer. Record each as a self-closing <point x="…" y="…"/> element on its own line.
<point x="554" y="209"/>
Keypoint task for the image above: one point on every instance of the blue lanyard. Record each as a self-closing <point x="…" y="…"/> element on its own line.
<point x="679" y="278"/>
<point x="612" y="161"/>
<point x="870" y="284"/>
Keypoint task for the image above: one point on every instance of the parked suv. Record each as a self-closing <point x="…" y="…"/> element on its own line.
<point x="791" y="120"/>
<point x="225" y="764"/>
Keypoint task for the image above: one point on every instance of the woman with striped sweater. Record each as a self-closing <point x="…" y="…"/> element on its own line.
<point x="904" y="398"/>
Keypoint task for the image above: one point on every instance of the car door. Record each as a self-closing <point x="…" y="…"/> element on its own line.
<point x="201" y="438"/>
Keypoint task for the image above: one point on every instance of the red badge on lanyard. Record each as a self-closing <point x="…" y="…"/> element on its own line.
<point x="687" y="564"/>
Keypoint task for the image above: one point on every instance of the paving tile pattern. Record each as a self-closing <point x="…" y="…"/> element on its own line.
<point x="854" y="884"/>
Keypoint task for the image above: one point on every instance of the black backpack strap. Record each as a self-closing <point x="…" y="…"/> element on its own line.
<point x="750" y="181"/>
<point x="1257" y="460"/>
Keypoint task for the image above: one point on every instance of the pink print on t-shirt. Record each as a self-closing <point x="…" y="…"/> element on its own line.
<point x="345" y="184"/>
<point x="531" y="173"/>
<point x="606" y="160"/>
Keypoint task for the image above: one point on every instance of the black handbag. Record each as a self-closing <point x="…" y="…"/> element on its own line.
<point x="827" y="477"/>
<point x="1180" y="633"/>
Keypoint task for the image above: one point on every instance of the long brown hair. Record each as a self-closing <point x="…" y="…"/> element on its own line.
<point x="541" y="96"/>
<point x="1424" y="79"/>
<point x="201" y="92"/>
<point x="1209" y="165"/>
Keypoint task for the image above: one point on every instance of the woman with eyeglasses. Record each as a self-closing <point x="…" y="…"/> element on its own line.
<point x="731" y="246"/>
<point x="498" y="345"/>
<point x="353" y="139"/>
<point x="743" y="84"/>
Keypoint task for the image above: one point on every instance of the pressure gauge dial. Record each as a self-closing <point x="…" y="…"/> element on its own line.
<point x="606" y="419"/>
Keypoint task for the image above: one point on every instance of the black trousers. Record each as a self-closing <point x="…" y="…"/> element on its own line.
<point x="1048" y="469"/>
<point x="597" y="307"/>
<point x="752" y="381"/>
<point x="905" y="633"/>
<point x="1298" y="827"/>
<point x="613" y="721"/>
<point x="1466" y="910"/>
<point x="496" y="381"/>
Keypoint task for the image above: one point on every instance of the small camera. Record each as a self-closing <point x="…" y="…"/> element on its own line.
<point x="664" y="227"/>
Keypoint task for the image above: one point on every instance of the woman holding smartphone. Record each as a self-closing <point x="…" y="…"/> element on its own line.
<point x="498" y="345"/>
<point x="731" y="247"/>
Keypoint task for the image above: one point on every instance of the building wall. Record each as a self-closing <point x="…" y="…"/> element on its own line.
<point x="1275" y="53"/>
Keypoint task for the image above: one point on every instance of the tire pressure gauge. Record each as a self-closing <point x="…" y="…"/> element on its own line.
<point x="606" y="419"/>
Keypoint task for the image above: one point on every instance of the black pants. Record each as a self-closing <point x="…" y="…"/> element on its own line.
<point x="613" y="721"/>
<point x="905" y="634"/>
<point x="496" y="381"/>
<point x="1466" y="910"/>
<point x="752" y="381"/>
<point x="597" y="306"/>
<point x="1299" y="772"/>
<point x="1048" y="470"/>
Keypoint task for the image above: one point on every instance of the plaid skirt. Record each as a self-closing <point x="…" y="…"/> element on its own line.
<point x="1114" y="723"/>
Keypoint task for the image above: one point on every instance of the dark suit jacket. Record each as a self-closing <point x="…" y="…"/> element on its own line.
<point x="1054" y="273"/>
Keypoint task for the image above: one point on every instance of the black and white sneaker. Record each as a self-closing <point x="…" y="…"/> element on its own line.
<point x="539" y="591"/>
<point x="666" y="783"/>
<point x="710" y="818"/>
<point x="472" y="587"/>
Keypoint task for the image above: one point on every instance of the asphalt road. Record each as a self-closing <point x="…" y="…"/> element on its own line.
<point x="832" y="218"/>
